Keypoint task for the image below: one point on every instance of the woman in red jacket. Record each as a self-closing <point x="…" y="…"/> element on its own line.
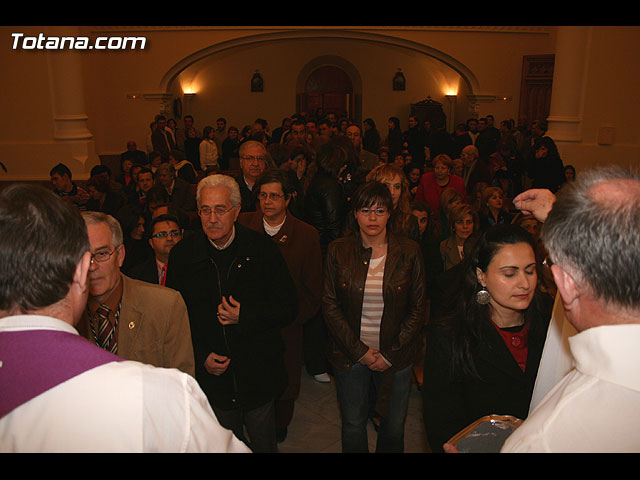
<point x="432" y="184"/>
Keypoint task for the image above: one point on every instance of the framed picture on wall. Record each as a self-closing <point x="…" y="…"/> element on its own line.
<point x="399" y="82"/>
<point x="257" y="84"/>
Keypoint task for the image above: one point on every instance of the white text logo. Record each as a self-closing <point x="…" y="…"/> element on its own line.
<point x="42" y="42"/>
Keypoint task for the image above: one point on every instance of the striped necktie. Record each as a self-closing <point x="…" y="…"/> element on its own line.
<point x="106" y="330"/>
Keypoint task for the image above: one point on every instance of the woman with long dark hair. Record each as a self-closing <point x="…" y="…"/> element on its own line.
<point x="325" y="199"/>
<point x="483" y="358"/>
<point x="548" y="169"/>
<point x="374" y="302"/>
<point x="394" y="138"/>
<point x="371" y="136"/>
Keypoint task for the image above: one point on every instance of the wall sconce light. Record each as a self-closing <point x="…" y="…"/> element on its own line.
<point x="188" y="97"/>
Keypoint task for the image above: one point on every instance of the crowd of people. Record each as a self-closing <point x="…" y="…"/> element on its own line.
<point x="241" y="256"/>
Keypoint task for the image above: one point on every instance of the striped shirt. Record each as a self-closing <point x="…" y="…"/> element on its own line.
<point x="372" y="304"/>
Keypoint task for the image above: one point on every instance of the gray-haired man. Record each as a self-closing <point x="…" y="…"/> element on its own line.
<point x="239" y="294"/>
<point x="592" y="233"/>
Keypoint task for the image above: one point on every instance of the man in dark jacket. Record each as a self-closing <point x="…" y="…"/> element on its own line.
<point x="239" y="294"/>
<point x="253" y="161"/>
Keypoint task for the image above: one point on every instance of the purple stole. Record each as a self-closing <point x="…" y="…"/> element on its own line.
<point x="34" y="361"/>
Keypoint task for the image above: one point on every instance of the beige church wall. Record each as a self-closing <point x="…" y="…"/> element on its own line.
<point x="493" y="55"/>
<point x="121" y="91"/>
<point x="222" y="81"/>
<point x="609" y="125"/>
<point x="38" y="131"/>
<point x="281" y="54"/>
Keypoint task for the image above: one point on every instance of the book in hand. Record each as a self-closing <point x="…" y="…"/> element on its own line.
<point x="485" y="435"/>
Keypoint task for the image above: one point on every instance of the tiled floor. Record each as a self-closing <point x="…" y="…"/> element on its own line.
<point x="315" y="427"/>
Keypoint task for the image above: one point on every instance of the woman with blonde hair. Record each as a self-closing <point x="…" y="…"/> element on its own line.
<point x="402" y="221"/>
<point x="492" y="211"/>
<point x="450" y="198"/>
<point x="463" y="221"/>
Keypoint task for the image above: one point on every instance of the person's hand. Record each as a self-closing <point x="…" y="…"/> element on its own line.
<point x="536" y="202"/>
<point x="380" y="365"/>
<point x="228" y="311"/>
<point x="216" y="364"/>
<point x="369" y="358"/>
<point x="449" y="448"/>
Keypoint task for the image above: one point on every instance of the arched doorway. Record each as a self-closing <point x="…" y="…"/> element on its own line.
<point x="328" y="89"/>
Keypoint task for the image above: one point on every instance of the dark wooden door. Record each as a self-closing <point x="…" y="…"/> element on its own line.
<point x="328" y="89"/>
<point x="537" y="81"/>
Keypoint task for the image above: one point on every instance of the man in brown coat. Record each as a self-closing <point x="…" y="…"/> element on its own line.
<point x="299" y="244"/>
<point x="130" y="318"/>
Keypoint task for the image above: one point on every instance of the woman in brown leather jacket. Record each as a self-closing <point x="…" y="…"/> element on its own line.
<point x="374" y="306"/>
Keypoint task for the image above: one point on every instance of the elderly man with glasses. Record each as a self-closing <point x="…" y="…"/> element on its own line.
<point x="253" y="161"/>
<point x="131" y="318"/>
<point x="239" y="294"/>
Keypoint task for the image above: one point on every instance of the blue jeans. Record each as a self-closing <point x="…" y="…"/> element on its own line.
<point x="353" y="395"/>
<point x="259" y="422"/>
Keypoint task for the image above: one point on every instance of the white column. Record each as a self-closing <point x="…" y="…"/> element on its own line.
<point x="67" y="90"/>
<point x="569" y="77"/>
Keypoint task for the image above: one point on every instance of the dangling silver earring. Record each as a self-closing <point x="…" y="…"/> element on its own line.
<point x="483" y="296"/>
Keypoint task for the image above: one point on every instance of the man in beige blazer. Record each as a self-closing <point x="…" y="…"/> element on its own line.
<point x="133" y="319"/>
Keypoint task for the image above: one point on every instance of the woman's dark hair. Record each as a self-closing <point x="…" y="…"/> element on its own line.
<point x="548" y="143"/>
<point x="396" y="122"/>
<point x="43" y="239"/>
<point x="99" y="182"/>
<point x="367" y="195"/>
<point x="372" y="193"/>
<point x="157" y="195"/>
<point x="206" y="131"/>
<point x="331" y="158"/>
<point x="279" y="153"/>
<point x="275" y="175"/>
<point x="468" y="321"/>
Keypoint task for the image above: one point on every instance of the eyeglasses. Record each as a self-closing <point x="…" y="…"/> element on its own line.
<point x="102" y="257"/>
<point x="378" y="211"/>
<point x="172" y="234"/>
<point x="219" y="211"/>
<point x="272" y="196"/>
<point x="251" y="158"/>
